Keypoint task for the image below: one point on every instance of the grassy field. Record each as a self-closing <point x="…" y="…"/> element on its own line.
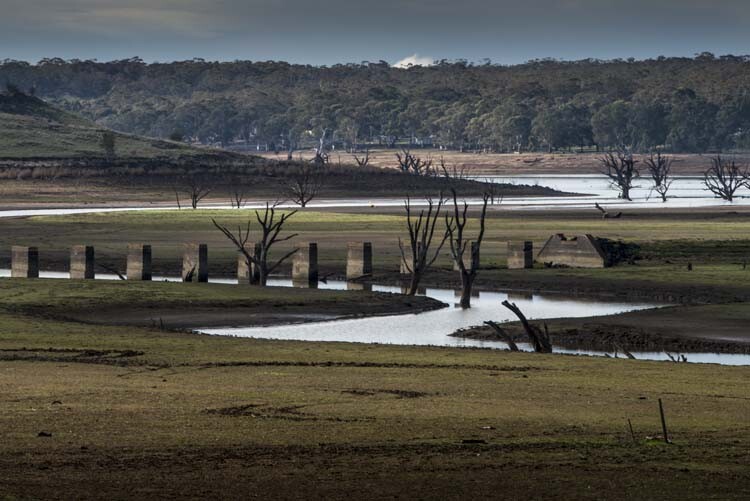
<point x="93" y="409"/>
<point x="707" y="239"/>
<point x="156" y="414"/>
<point x="175" y="305"/>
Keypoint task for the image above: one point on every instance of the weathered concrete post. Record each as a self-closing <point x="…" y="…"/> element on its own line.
<point x="358" y="260"/>
<point x="243" y="270"/>
<point x="468" y="255"/>
<point x="520" y="255"/>
<point x="139" y="262"/>
<point x="24" y="262"/>
<point x="305" y="266"/>
<point x="82" y="262"/>
<point x="195" y="263"/>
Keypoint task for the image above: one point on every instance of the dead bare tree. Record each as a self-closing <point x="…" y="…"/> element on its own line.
<point x="725" y="177"/>
<point x="512" y="346"/>
<point x="605" y="212"/>
<point x="364" y="160"/>
<point x="418" y="258"/>
<point x="659" y="168"/>
<point x="539" y="339"/>
<point x="238" y="198"/>
<point x="321" y="157"/>
<point x="621" y="171"/>
<point x="452" y="172"/>
<point x="112" y="270"/>
<point x="412" y="164"/>
<point x="455" y="226"/>
<point x="177" y="197"/>
<point x="258" y="255"/>
<point x="305" y="184"/>
<point x="196" y="189"/>
<point x="493" y="190"/>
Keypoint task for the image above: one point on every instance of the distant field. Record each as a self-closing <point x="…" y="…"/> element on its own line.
<point x="705" y="238"/>
<point x="511" y="163"/>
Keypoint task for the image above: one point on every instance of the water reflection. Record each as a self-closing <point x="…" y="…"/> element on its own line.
<point x="432" y="328"/>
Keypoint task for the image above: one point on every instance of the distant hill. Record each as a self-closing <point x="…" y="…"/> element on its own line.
<point x="689" y="105"/>
<point x="31" y="129"/>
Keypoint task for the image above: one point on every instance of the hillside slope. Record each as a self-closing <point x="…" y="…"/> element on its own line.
<point x="31" y="129"/>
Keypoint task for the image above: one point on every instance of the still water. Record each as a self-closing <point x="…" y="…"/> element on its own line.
<point x="685" y="192"/>
<point x="432" y="328"/>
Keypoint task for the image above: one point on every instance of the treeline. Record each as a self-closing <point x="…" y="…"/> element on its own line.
<point x="675" y="104"/>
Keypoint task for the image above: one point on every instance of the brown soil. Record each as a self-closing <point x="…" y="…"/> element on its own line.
<point x="474" y="470"/>
<point x="673" y="329"/>
<point x="526" y="163"/>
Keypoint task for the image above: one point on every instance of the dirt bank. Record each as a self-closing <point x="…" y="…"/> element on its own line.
<point x="526" y="163"/>
<point x="250" y="316"/>
<point x="705" y="328"/>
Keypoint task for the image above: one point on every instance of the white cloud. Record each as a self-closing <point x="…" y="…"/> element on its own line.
<point x="414" y="60"/>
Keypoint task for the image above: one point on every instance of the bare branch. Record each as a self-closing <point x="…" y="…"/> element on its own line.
<point x="621" y="171"/>
<point x="270" y="228"/>
<point x="725" y="177"/>
<point x="659" y="168"/>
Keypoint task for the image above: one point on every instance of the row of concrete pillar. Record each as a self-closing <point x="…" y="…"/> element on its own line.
<point x="25" y="262"/>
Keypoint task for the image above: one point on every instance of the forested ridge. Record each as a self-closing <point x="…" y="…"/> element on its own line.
<point x="676" y="104"/>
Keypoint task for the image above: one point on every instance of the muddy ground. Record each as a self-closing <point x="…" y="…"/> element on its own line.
<point x="683" y="329"/>
<point x="476" y="163"/>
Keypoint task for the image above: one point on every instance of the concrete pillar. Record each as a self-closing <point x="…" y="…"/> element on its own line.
<point x="305" y="266"/>
<point x="468" y="253"/>
<point x="520" y="255"/>
<point x="243" y="270"/>
<point x="82" y="262"/>
<point x="358" y="260"/>
<point x="195" y="263"/>
<point x="24" y="262"/>
<point x="139" y="262"/>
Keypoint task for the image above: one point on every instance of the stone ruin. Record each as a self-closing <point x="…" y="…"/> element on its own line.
<point x="139" y="262"/>
<point x="82" y="262"/>
<point x="520" y="255"/>
<point x="195" y="263"/>
<point x="580" y="251"/>
<point x="305" y="266"/>
<point x="24" y="262"/>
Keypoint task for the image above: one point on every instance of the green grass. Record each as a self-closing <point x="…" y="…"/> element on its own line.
<point x="31" y="128"/>
<point x="707" y="242"/>
<point x="68" y="297"/>
<point x="171" y="396"/>
<point x="138" y="406"/>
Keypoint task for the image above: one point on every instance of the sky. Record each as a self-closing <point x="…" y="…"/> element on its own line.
<point x="324" y="32"/>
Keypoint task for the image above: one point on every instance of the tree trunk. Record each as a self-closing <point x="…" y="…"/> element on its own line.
<point x="467" y="282"/>
<point x="414" y="284"/>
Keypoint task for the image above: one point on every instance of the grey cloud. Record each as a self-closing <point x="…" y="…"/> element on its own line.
<point x="329" y="31"/>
